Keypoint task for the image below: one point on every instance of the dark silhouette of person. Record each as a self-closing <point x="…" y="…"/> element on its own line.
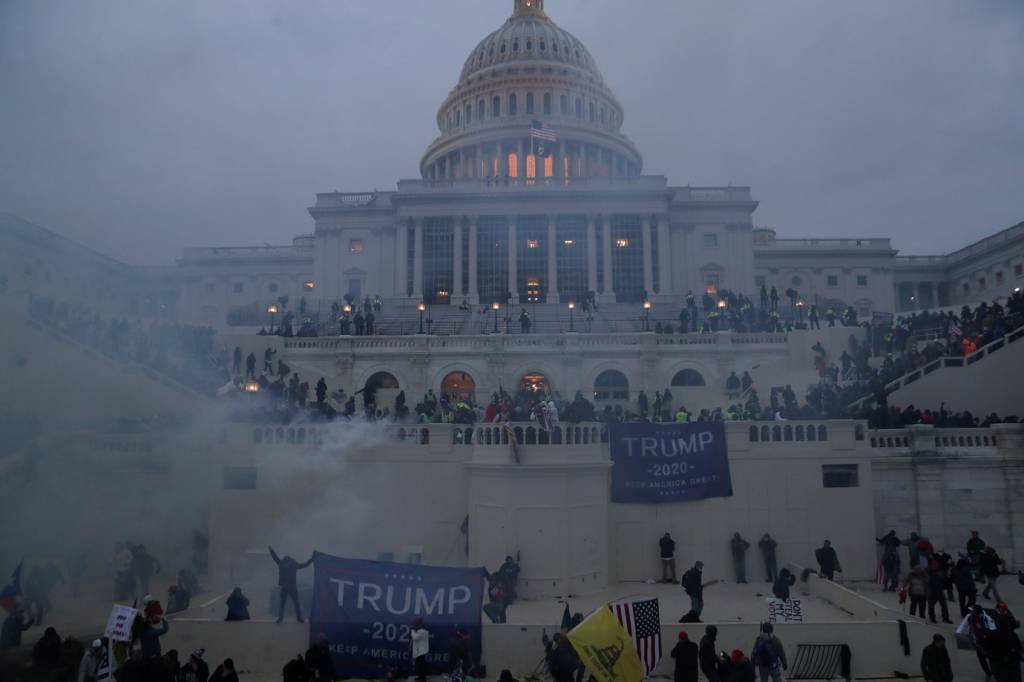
<point x="238" y="605"/>
<point x="250" y="366"/>
<point x="287" y="569"/>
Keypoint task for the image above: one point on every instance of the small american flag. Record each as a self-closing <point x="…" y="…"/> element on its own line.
<point x="642" y="620"/>
<point x="540" y="131"/>
<point x="954" y="330"/>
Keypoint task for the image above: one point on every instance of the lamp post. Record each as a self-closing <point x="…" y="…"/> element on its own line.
<point x="252" y="388"/>
<point x="272" y="309"/>
<point x="421" y="307"/>
<point x="800" y="310"/>
<point x="647" y="316"/>
<point x="346" y="318"/>
<point x="722" y="304"/>
<point x="572" y="307"/>
<point x="495" y="307"/>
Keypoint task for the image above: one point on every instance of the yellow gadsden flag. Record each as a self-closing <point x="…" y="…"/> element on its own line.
<point x="606" y="648"/>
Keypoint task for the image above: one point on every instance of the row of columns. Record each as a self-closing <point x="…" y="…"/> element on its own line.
<point x="483" y="162"/>
<point x="607" y="291"/>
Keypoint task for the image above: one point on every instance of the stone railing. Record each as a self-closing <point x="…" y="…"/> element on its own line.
<point x="511" y="342"/>
<point x="925" y="439"/>
<point x="793" y="432"/>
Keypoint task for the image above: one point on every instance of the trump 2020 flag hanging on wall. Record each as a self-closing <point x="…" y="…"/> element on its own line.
<point x="668" y="462"/>
<point x="641" y="619"/>
<point x="366" y="610"/>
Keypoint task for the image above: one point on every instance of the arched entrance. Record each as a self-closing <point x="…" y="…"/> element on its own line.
<point x="611" y="384"/>
<point x="535" y="384"/>
<point x="380" y="390"/>
<point x="688" y="377"/>
<point x="458" y="386"/>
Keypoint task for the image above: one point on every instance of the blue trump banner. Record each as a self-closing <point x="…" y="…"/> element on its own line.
<point x="366" y="610"/>
<point x="668" y="462"/>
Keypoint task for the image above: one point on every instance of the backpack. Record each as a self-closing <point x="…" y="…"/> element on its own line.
<point x="765" y="654"/>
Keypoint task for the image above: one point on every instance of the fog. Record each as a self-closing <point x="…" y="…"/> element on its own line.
<point x="141" y="127"/>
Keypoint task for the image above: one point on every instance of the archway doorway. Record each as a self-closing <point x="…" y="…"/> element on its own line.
<point x="458" y="386"/>
<point x="611" y="384"/>
<point x="534" y="384"/>
<point x="380" y="390"/>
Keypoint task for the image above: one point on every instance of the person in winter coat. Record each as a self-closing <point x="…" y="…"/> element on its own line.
<point x="739" y="547"/>
<point x="828" y="560"/>
<point x="225" y="672"/>
<point x="419" y="642"/>
<point x="687" y="656"/>
<point x="966" y="591"/>
<point x="238" y="605"/>
<point x="917" y="590"/>
<point x="14" y="625"/>
<point x="196" y="670"/>
<point x="769" y="655"/>
<point x="937" y="579"/>
<point x="783" y="582"/>
<point x="990" y="567"/>
<point x="46" y="652"/>
<point x="319" y="661"/>
<point x="767" y="546"/>
<point x="150" y="634"/>
<point x="708" y="656"/>
<point x="90" y="662"/>
<point x="667" y="546"/>
<point x="295" y="670"/>
<point x="935" y="665"/>
<point x="694" y="587"/>
<point x="287" y="576"/>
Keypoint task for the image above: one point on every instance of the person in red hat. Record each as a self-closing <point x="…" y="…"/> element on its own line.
<point x="685" y="653"/>
<point x="742" y="668"/>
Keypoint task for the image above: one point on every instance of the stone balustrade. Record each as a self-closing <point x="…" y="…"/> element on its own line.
<point x="924" y="439"/>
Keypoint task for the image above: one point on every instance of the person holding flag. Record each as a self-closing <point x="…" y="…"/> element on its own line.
<point x="606" y="648"/>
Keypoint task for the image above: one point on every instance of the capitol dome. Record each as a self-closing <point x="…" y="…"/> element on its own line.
<point x="530" y="105"/>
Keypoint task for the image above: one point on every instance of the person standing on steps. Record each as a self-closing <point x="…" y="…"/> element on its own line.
<point x="767" y="546"/>
<point x="287" y="570"/>
<point x="739" y="548"/>
<point x="668" y="558"/>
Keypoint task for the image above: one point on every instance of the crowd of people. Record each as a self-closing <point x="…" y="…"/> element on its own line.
<point x="183" y="352"/>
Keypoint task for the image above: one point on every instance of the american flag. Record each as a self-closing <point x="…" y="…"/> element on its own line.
<point x="954" y="330"/>
<point x="642" y="620"/>
<point x="540" y="131"/>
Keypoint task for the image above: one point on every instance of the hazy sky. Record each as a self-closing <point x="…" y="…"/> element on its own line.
<point x="143" y="126"/>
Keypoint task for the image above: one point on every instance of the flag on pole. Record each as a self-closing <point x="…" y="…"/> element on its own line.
<point x="606" y="649"/>
<point x="566" y="618"/>
<point x="642" y="621"/>
<point x="540" y="137"/>
<point x="11" y="593"/>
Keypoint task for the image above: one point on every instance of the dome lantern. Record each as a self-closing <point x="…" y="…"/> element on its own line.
<point x="528" y="7"/>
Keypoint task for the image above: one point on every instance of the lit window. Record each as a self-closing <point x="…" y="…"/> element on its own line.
<point x="309" y="285"/>
<point x="549" y="166"/>
<point x="833" y="280"/>
<point x="621" y="243"/>
<point x="355" y="246"/>
<point x="532" y="244"/>
<point x="862" y="280"/>
<point x="711" y="241"/>
<point x="513" y="166"/>
<point x="531" y="167"/>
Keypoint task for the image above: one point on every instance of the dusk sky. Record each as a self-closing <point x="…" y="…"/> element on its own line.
<point x="140" y="127"/>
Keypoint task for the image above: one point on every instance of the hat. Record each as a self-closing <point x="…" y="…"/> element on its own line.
<point x="682" y="634"/>
<point x="736" y="656"/>
<point x="198" y="653"/>
<point x="96" y="644"/>
<point x="1001" y="605"/>
<point x="148" y="599"/>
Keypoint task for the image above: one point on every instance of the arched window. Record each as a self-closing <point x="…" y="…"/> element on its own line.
<point x="513" y="165"/>
<point x="469" y="114"/>
<point x="688" y="377"/>
<point x="563" y="105"/>
<point x="458" y="386"/>
<point x="611" y="384"/>
<point x="531" y="167"/>
<point x="579" y="108"/>
<point x="529" y="102"/>
<point x="458" y="118"/>
<point x="480" y="109"/>
<point x="512" y="104"/>
<point x="496" y="106"/>
<point x="547" y="103"/>
<point x="604" y="115"/>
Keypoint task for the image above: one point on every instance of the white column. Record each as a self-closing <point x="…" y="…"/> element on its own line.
<point x="606" y="244"/>
<point x="552" y="287"/>
<point x="417" y="270"/>
<point x="648" y="269"/>
<point x="560" y="162"/>
<point x="520" y="161"/>
<point x="513" y="275"/>
<point x="456" y="295"/>
<point x="474" y="293"/>
<point x="664" y="257"/>
<point x="591" y="255"/>
<point x="402" y="260"/>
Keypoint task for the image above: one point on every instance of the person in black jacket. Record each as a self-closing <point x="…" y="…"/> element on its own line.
<point x="782" y="584"/>
<point x="668" y="558"/>
<point x="238" y="605"/>
<point x="686" y="654"/>
<point x="692" y="582"/>
<point x="319" y="662"/>
<point x="287" y="570"/>
<point x="708" y="656"/>
<point x="561" y="657"/>
<point x="935" y="665"/>
<point x="828" y="560"/>
<point x="966" y="591"/>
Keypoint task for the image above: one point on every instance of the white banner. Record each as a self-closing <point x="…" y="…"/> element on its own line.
<point x="784" y="610"/>
<point x="119" y="626"/>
